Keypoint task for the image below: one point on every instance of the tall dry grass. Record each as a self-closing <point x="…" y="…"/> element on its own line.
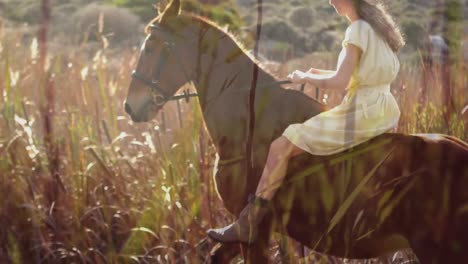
<point x="122" y="192"/>
<point x="119" y="191"/>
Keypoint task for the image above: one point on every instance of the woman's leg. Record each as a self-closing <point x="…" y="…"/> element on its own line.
<point x="245" y="228"/>
<point x="281" y="150"/>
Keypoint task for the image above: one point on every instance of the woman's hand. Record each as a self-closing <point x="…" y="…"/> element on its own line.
<point x="298" y="77"/>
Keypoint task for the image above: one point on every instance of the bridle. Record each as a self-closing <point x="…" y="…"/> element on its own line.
<point x="158" y="95"/>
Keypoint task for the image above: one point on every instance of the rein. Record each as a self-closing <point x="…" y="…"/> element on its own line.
<point x="160" y="97"/>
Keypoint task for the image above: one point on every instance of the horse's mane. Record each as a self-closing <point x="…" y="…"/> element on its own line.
<point x="222" y="29"/>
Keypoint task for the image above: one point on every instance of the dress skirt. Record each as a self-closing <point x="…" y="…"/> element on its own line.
<point x="361" y="115"/>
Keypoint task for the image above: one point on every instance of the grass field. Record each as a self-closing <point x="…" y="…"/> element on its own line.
<point x="81" y="183"/>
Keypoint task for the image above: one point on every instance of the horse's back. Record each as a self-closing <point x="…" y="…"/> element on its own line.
<point x="420" y="176"/>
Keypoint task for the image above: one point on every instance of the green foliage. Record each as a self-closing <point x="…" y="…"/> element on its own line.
<point x="30" y="10"/>
<point x="95" y="22"/>
<point x="23" y="11"/>
<point x="414" y="32"/>
<point x="453" y="30"/>
<point x="302" y="17"/>
<point x="142" y="8"/>
<point x="224" y="13"/>
<point x="310" y="17"/>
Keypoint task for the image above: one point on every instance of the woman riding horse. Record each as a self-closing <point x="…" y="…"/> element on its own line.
<point x="366" y="66"/>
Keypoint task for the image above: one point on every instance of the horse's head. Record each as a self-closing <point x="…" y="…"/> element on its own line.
<point x="160" y="72"/>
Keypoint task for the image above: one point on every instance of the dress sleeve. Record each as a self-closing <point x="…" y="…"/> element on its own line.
<point x="358" y="34"/>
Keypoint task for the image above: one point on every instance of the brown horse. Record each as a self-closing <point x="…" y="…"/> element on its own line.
<point x="392" y="192"/>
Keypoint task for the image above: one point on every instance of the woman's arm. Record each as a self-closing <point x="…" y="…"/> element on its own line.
<point x="339" y="79"/>
<point x="320" y="71"/>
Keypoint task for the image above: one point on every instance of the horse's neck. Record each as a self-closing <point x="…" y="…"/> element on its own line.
<point x="233" y="78"/>
<point x="223" y="82"/>
<point x="223" y="67"/>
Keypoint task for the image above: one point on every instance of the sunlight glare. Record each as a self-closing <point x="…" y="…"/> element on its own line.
<point x="34" y="48"/>
<point x="84" y="73"/>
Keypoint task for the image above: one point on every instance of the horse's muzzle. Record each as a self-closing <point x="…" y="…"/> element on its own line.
<point x="127" y="108"/>
<point x="135" y="118"/>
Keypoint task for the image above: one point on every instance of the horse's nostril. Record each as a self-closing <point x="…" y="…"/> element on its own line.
<point x="128" y="109"/>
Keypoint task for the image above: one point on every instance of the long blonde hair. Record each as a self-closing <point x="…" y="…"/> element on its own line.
<point x="375" y="13"/>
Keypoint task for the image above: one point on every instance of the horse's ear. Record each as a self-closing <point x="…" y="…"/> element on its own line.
<point x="171" y="10"/>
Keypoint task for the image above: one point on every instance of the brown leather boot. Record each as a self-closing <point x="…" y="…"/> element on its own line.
<point x="244" y="229"/>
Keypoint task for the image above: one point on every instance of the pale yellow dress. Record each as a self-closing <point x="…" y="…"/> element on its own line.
<point x="368" y="108"/>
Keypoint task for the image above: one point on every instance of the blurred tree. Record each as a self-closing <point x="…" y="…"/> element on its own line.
<point x="453" y="27"/>
<point x="29" y="11"/>
<point x="118" y="25"/>
<point x="23" y="11"/>
<point x="143" y="8"/>
<point x="453" y="18"/>
<point x="414" y="32"/>
<point x="224" y="13"/>
<point x="220" y="11"/>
